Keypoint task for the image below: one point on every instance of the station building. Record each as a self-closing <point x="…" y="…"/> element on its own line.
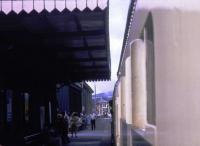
<point x="44" y="44"/>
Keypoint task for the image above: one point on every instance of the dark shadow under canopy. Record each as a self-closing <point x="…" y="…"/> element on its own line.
<point x="54" y="47"/>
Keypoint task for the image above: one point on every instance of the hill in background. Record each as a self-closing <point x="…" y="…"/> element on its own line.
<point x="106" y="95"/>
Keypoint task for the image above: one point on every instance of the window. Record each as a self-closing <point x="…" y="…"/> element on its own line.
<point x="9" y="105"/>
<point x="26" y="106"/>
<point x="150" y="79"/>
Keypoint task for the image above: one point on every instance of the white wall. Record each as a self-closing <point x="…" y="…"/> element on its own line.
<point x="177" y="76"/>
<point x="177" y="73"/>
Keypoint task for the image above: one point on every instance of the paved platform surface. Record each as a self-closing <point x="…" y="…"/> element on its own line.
<point x="100" y="137"/>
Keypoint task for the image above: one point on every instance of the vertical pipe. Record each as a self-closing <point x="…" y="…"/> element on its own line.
<point x="3" y="112"/>
<point x="119" y="113"/>
<point x="123" y="101"/>
<point x="138" y="63"/>
<point x="128" y="91"/>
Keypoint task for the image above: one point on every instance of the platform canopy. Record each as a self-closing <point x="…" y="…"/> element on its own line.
<point x="53" y="41"/>
<point x="18" y="6"/>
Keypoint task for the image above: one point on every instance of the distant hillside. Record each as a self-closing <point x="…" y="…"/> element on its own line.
<point x="105" y="95"/>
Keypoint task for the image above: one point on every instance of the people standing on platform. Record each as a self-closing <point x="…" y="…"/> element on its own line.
<point x="93" y="124"/>
<point x="83" y="121"/>
<point x="74" y="119"/>
<point x="66" y="126"/>
<point x="88" y="118"/>
<point x="61" y="127"/>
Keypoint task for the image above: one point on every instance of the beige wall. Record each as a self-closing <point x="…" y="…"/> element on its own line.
<point x="177" y="70"/>
<point x="177" y="77"/>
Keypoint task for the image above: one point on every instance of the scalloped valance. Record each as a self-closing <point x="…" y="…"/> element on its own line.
<point x="17" y="6"/>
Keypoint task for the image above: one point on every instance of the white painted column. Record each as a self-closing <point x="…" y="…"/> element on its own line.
<point x="128" y="91"/>
<point x="123" y="100"/>
<point x="138" y="64"/>
<point x="119" y="114"/>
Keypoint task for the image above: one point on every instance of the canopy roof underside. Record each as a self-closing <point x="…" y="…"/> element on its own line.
<point x="54" y="46"/>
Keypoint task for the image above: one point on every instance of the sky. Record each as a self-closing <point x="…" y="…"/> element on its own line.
<point x="117" y="21"/>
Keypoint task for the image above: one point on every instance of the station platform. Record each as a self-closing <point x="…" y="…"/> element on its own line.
<point x="101" y="136"/>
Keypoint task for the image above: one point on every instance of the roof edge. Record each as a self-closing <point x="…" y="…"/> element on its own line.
<point x="127" y="30"/>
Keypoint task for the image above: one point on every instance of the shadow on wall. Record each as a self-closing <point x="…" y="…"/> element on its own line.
<point x="124" y="133"/>
<point x="138" y="140"/>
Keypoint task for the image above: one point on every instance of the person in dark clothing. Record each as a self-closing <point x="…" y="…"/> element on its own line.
<point x="60" y="127"/>
<point x="74" y="120"/>
<point x="66" y="126"/>
<point x="93" y="125"/>
<point x="51" y="136"/>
